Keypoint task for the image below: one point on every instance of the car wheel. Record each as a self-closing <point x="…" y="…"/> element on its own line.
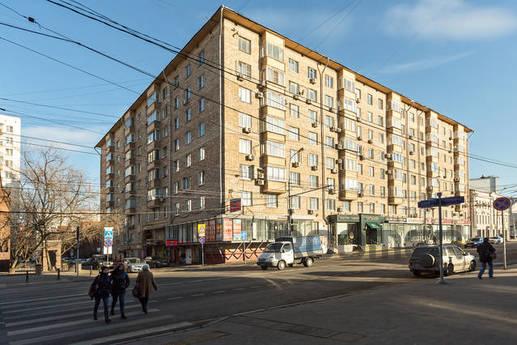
<point x="416" y="273"/>
<point x="308" y="262"/>
<point x="264" y="267"/>
<point x="280" y="265"/>
<point x="472" y="266"/>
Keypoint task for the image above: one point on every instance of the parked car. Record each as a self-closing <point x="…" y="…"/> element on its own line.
<point x="455" y="259"/>
<point x="156" y="262"/>
<point x="474" y="242"/>
<point x="496" y="239"/>
<point x="90" y="264"/>
<point x="134" y="264"/>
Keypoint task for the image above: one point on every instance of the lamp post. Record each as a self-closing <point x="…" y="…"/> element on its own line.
<point x="289" y="209"/>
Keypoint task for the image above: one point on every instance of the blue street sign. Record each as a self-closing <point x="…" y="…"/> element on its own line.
<point x="453" y="200"/>
<point x="202" y="240"/>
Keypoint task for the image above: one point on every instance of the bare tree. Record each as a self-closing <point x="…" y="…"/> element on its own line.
<point x="52" y="198"/>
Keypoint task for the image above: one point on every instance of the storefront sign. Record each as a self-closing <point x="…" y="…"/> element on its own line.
<point x="171" y="243"/>
<point x="235" y="205"/>
<point x="237" y="227"/>
<point x="227" y="229"/>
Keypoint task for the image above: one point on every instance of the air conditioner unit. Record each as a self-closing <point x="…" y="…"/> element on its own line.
<point x="456" y="179"/>
<point x="239" y="77"/>
<point x="361" y="157"/>
<point x="339" y="209"/>
<point x="360" y="194"/>
<point x="308" y="101"/>
<point x="389" y="172"/>
<point x="295" y="164"/>
<point x="312" y="80"/>
<point x="340" y="147"/>
<point x="259" y="182"/>
<point x="410" y="136"/>
<point x="296" y="96"/>
<point x="331" y="109"/>
<point x="359" y="138"/>
<point x="250" y="157"/>
<point x="185" y="102"/>
<point x="370" y="141"/>
<point x="314" y="125"/>
<point x="334" y="171"/>
<point x="411" y="153"/>
<point x="246" y="130"/>
<point x="332" y="191"/>
<point x="387" y="155"/>
<point x="338" y="130"/>
<point x="310" y="211"/>
<point x="358" y="100"/>
<point x="259" y="95"/>
<point x="314" y="167"/>
<point x="339" y="161"/>
<point x="261" y="84"/>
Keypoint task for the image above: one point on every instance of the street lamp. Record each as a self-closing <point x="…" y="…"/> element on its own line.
<point x="289" y="209"/>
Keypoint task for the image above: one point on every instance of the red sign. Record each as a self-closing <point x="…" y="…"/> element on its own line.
<point x="171" y="243"/>
<point x="235" y="205"/>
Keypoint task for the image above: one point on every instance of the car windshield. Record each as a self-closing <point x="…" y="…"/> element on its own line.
<point x="475" y="239"/>
<point x="134" y="261"/>
<point x="273" y="248"/>
<point x="421" y="251"/>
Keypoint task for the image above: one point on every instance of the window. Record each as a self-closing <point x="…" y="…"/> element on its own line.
<point x="244" y="95"/>
<point x="275" y="174"/>
<point x="380" y="104"/>
<point x="331" y="204"/>
<point x="313" y="138"/>
<point x="201" y="81"/>
<point x="294" y="88"/>
<point x="178" y="208"/>
<point x="275" y="99"/>
<point x="201" y="57"/>
<point x="244" y="69"/>
<point x="380" y="120"/>
<point x="294" y="178"/>
<point x="244" y="120"/>
<point x="295" y="202"/>
<point x="370" y="134"/>
<point x="275" y="51"/>
<point x="202" y="202"/>
<point x="313" y="204"/>
<point x="313" y="116"/>
<point x="246" y="172"/>
<point x="370" y="116"/>
<point x="202" y="153"/>
<point x="275" y="149"/>
<point x="358" y="93"/>
<point x="331" y="183"/>
<point x="188" y="137"/>
<point x="188" y="71"/>
<point x="329" y="121"/>
<point x="186" y="182"/>
<point x="201" y="177"/>
<point x="244" y="45"/>
<point x="275" y="125"/>
<point x="294" y="156"/>
<point x="275" y="75"/>
<point x="176" y="165"/>
<point x="188" y="115"/>
<point x="201" y="129"/>
<point x="370" y="99"/>
<point x="294" y="111"/>
<point x="312" y="95"/>
<point x="329" y="141"/>
<point x="246" y="198"/>
<point x="312" y="160"/>
<point x="176" y="123"/>
<point x="153" y="136"/>
<point x="329" y="81"/>
<point x="329" y="101"/>
<point x="188" y="160"/>
<point x="360" y="207"/>
<point x="294" y="133"/>
<point x="245" y="146"/>
<point x="293" y="65"/>
<point x="349" y="85"/>
<point x="313" y="181"/>
<point x="371" y="207"/>
<point x="330" y="163"/>
<point x="271" y="201"/>
<point x="311" y="73"/>
<point x="189" y="205"/>
<point x="202" y="104"/>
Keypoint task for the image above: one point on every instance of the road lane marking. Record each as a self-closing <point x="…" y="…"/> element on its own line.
<point x="197" y="295"/>
<point x="219" y="292"/>
<point x="81" y="333"/>
<point x="175" y="298"/>
<point x="64" y="324"/>
<point x="41" y="299"/>
<point x="134" y="334"/>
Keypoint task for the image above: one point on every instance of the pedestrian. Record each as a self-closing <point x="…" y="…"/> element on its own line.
<point x="101" y="290"/>
<point x="144" y="282"/>
<point x="119" y="284"/>
<point x="486" y="255"/>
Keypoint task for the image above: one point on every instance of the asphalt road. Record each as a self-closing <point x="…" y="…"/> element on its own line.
<point x="52" y="312"/>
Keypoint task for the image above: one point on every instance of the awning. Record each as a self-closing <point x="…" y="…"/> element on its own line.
<point x="374" y="226"/>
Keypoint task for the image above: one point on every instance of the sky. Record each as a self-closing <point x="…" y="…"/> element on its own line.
<point x="454" y="56"/>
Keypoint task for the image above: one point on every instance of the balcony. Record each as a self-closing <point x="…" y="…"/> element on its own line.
<point x="129" y="146"/>
<point x="347" y="195"/>
<point x="153" y="125"/>
<point x="110" y="203"/>
<point x="155" y="203"/>
<point x="395" y="200"/>
<point x="269" y="61"/>
<point x="266" y="109"/>
<point x="154" y="164"/>
<point x="130" y="178"/>
<point x="276" y="187"/>
<point x="129" y="161"/>
<point x="271" y="160"/>
<point x="155" y="183"/>
<point x="272" y="136"/>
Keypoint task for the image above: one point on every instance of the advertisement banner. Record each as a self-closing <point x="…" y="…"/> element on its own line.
<point x="237" y="227"/>
<point x="108" y="240"/>
<point x="227" y="229"/>
<point x="201" y="230"/>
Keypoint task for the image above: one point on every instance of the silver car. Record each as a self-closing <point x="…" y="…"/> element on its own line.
<point x="134" y="264"/>
<point x="425" y="259"/>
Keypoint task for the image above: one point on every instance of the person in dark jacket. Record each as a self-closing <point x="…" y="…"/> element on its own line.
<point x="119" y="284"/>
<point x="144" y="283"/>
<point x="486" y="254"/>
<point x="101" y="290"/>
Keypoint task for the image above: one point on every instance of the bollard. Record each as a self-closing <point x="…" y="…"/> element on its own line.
<point x="90" y="271"/>
<point x="27" y="276"/>
<point x="58" y="273"/>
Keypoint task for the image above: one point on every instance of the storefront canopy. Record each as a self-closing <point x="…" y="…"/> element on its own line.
<point x="374" y="225"/>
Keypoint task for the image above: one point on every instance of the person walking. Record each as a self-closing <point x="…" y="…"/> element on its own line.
<point x="101" y="290"/>
<point x="119" y="284"/>
<point x="144" y="282"/>
<point x="486" y="255"/>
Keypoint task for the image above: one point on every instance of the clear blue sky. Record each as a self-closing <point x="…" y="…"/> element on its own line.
<point x="456" y="56"/>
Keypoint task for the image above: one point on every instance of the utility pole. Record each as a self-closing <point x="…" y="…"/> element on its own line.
<point x="77" y="251"/>
<point x="440" y="235"/>
<point x="504" y="240"/>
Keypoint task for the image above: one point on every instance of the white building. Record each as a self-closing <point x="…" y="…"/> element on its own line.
<point x="10" y="131"/>
<point x="486" y="220"/>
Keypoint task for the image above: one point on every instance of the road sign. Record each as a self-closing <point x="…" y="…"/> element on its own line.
<point x="202" y="240"/>
<point x="235" y="205"/>
<point x="453" y="200"/>
<point x="201" y="230"/>
<point x="108" y="240"/>
<point x="502" y="203"/>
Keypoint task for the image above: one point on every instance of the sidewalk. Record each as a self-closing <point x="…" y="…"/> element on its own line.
<point x="465" y="311"/>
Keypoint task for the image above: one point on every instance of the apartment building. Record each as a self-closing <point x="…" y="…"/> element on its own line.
<point x="10" y="131"/>
<point x="246" y="126"/>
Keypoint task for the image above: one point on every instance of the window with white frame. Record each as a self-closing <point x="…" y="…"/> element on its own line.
<point x="244" y="45"/>
<point x="329" y="121"/>
<point x="312" y="138"/>
<point x="246" y="172"/>
<point x="188" y="160"/>
<point x="311" y="73"/>
<point x="275" y="174"/>
<point x="294" y="111"/>
<point x="293" y="133"/>
<point x="294" y="178"/>
<point x="331" y="204"/>
<point x="275" y="125"/>
<point x="312" y="95"/>
<point x="271" y="200"/>
<point x="294" y="88"/>
<point x="329" y="141"/>
<point x="330" y="163"/>
<point x="246" y="198"/>
<point x="188" y="137"/>
<point x="313" y="116"/>
<point x="202" y="153"/>
<point x="201" y="81"/>
<point x="201" y="129"/>
<point x="295" y="202"/>
<point x="244" y="69"/>
<point x="313" y="204"/>
<point x="176" y="165"/>
<point x="188" y="71"/>
<point x="275" y="75"/>
<point x="313" y="181"/>
<point x="275" y="52"/>
<point x="202" y="202"/>
<point x="245" y="146"/>
<point x="329" y="101"/>
<point x="275" y="149"/>
<point x="201" y="177"/>
<point x="329" y="81"/>
<point x="188" y="94"/>
<point x="244" y="120"/>
<point x="189" y="205"/>
<point x="312" y="160"/>
<point x="244" y="95"/>
<point x="188" y="115"/>
<point x="293" y="65"/>
<point x="275" y="99"/>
